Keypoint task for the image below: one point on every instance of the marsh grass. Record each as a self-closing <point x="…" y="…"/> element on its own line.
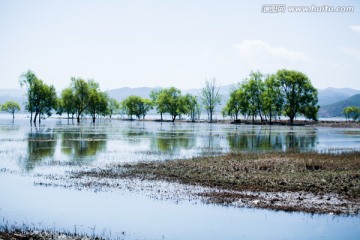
<point x="270" y="172"/>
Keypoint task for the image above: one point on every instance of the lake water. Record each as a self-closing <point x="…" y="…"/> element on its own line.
<point x="29" y="152"/>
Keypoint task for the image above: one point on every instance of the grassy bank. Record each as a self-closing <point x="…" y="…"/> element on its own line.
<point x="310" y="182"/>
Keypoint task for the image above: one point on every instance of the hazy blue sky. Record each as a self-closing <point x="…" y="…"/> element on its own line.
<point x="175" y="43"/>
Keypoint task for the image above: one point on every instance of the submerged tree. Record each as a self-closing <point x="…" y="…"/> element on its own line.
<point x="81" y="93"/>
<point x="172" y="102"/>
<point x="41" y="98"/>
<point x="27" y="80"/>
<point x="210" y="97"/>
<point x="11" y="107"/>
<point x="236" y="104"/>
<point x="113" y="106"/>
<point x="67" y="103"/>
<point x="193" y="106"/>
<point x="154" y="96"/>
<point x="138" y="106"/>
<point x="97" y="100"/>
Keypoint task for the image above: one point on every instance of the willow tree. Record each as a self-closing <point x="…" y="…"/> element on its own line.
<point x="27" y="80"/>
<point x="11" y="107"/>
<point x="41" y="98"/>
<point x="173" y="102"/>
<point x="272" y="98"/>
<point x="81" y="95"/>
<point x="66" y="102"/>
<point x="300" y="97"/>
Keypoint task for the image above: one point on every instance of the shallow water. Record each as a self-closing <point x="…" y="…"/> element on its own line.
<point x="27" y="153"/>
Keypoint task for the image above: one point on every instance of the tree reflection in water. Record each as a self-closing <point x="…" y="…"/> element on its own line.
<point x="264" y="139"/>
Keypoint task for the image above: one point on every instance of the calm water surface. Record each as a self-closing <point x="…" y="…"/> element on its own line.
<point x="58" y="145"/>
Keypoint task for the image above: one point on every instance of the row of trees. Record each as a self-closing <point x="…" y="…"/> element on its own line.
<point x="352" y="112"/>
<point x="171" y="101"/>
<point x="81" y="97"/>
<point x="286" y="93"/>
<point x="85" y="97"/>
<point x="266" y="96"/>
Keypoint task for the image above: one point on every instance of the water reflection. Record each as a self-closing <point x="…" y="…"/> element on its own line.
<point x="41" y="144"/>
<point x="172" y="142"/>
<point x="80" y="145"/>
<point x="120" y="141"/>
<point x="266" y="139"/>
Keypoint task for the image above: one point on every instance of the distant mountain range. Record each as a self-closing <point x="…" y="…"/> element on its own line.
<point x="329" y="96"/>
<point x="331" y="100"/>
<point x="17" y="95"/>
<point x="336" y="109"/>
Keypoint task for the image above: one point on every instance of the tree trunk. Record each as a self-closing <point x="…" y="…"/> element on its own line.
<point x="292" y="120"/>
<point x="31" y="116"/>
<point x="161" y="116"/>
<point x="35" y="117"/>
<point x="93" y="118"/>
<point x="173" y="118"/>
<point x="78" y="118"/>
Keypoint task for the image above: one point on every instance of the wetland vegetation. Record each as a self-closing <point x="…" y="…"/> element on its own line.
<point x="132" y="165"/>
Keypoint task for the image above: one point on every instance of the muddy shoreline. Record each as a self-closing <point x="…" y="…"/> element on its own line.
<point x="320" y="123"/>
<point x="300" y="182"/>
<point x="42" y="235"/>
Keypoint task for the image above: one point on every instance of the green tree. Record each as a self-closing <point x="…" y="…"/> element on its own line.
<point x="172" y="102"/>
<point x="272" y="98"/>
<point x="254" y="88"/>
<point x="146" y="106"/>
<point x="41" y="98"/>
<point x="352" y="112"/>
<point x="300" y="97"/>
<point x="103" y="105"/>
<point x="113" y="106"/>
<point x="154" y="96"/>
<point x="236" y="104"/>
<point x="210" y="97"/>
<point x="94" y="99"/>
<point x="67" y="103"/>
<point x="45" y="99"/>
<point x="27" y="80"/>
<point x="134" y="105"/>
<point x="81" y="93"/>
<point x="193" y="106"/>
<point x="11" y="107"/>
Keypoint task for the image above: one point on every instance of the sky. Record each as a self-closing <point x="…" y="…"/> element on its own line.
<point x="142" y="43"/>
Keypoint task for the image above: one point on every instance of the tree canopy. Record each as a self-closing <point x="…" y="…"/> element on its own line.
<point x="138" y="106"/>
<point x="11" y="107"/>
<point x="352" y="112"/>
<point x="300" y="97"/>
<point x="287" y="93"/>
<point x="41" y="98"/>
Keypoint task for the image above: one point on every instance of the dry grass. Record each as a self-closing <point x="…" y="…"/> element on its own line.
<point x="270" y="172"/>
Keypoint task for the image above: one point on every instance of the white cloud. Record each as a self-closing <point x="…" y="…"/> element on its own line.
<point x="259" y="50"/>
<point x="355" y="28"/>
<point x="353" y="52"/>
